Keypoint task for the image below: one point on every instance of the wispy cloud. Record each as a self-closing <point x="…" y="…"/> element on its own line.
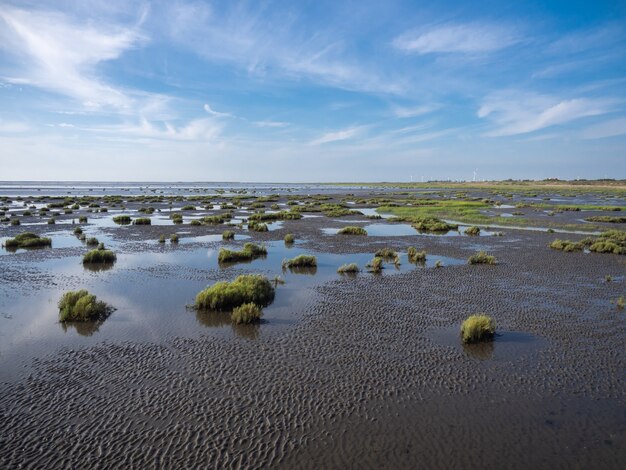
<point x="195" y="130"/>
<point x="274" y="43"/>
<point x="461" y="38"/>
<point x="611" y="128"/>
<point x="212" y="112"/>
<point x="343" y="134"/>
<point x="514" y="112"/>
<point x="408" y="112"/>
<point x="60" y="54"/>
<point x="271" y="124"/>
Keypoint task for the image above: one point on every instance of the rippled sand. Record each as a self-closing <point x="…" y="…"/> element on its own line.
<point x="367" y="374"/>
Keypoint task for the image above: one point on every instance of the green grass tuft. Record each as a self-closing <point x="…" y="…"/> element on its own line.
<point x="101" y="256"/>
<point x="122" y="219"/>
<point x="416" y="256"/>
<point x="289" y="239"/>
<point x="28" y="240"/>
<point x="246" y="288"/>
<point x="250" y="251"/>
<point x="228" y="235"/>
<point x="481" y="258"/>
<point x="300" y="261"/>
<point x="432" y="224"/>
<point x="607" y="219"/>
<point x="81" y="306"/>
<point x="386" y="253"/>
<point x="477" y="328"/>
<point x="352" y="230"/>
<point x="376" y="265"/>
<point x="351" y="268"/>
<point x="246" y="313"/>
<point x="472" y="231"/>
<point x="142" y="221"/>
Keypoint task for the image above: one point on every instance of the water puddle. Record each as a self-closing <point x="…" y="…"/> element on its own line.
<point x="403" y="230"/>
<point x="506" y="346"/>
<point x="150" y="291"/>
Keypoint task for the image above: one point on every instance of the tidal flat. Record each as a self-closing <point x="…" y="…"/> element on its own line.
<point x="363" y="369"/>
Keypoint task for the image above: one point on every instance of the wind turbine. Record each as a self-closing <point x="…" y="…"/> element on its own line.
<point x="475" y="171"/>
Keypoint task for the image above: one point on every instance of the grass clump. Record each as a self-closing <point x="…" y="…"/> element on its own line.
<point x="352" y="230"/>
<point x="246" y="313"/>
<point x="607" y="219"/>
<point x="122" y="219"/>
<point x="416" y="256"/>
<point x="282" y="215"/>
<point x="611" y="241"/>
<point x="228" y="235"/>
<point x="15" y="222"/>
<point x="250" y="251"/>
<point x="621" y="303"/>
<point x="78" y="231"/>
<point x="386" y="253"/>
<point x="81" y="306"/>
<point x="566" y="245"/>
<point x="257" y="227"/>
<point x="472" y="231"/>
<point x="82" y="219"/>
<point x="244" y="289"/>
<point x="481" y="258"/>
<point x="432" y="224"/>
<point x="142" y="221"/>
<point x="92" y="241"/>
<point x="162" y="238"/>
<point x="477" y="328"/>
<point x="99" y="256"/>
<point x="301" y="261"/>
<point x="27" y="240"/>
<point x="351" y="268"/>
<point x="289" y="239"/>
<point x="376" y="265"/>
<point x="174" y="238"/>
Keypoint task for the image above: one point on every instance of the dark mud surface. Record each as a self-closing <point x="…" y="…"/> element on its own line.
<point x="363" y="371"/>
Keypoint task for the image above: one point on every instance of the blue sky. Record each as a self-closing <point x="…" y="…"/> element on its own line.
<point x="312" y="91"/>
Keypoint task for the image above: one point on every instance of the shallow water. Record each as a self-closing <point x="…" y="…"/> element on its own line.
<point x="403" y="230"/>
<point x="506" y="345"/>
<point x="150" y="291"/>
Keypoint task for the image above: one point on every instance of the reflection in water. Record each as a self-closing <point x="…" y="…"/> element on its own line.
<point x="83" y="328"/>
<point x="212" y="319"/>
<point x="481" y="351"/>
<point x="250" y="331"/>
<point x="97" y="267"/>
<point x="310" y="270"/>
<point x="227" y="264"/>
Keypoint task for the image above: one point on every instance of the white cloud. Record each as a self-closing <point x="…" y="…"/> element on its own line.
<point x="60" y="54"/>
<point x="463" y="38"/>
<point x="514" y="112"/>
<point x="401" y="112"/>
<point x="212" y="112"/>
<point x="270" y="124"/>
<point x="336" y="136"/>
<point x="604" y="129"/>
<point x="195" y="130"/>
<point x="274" y="43"/>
